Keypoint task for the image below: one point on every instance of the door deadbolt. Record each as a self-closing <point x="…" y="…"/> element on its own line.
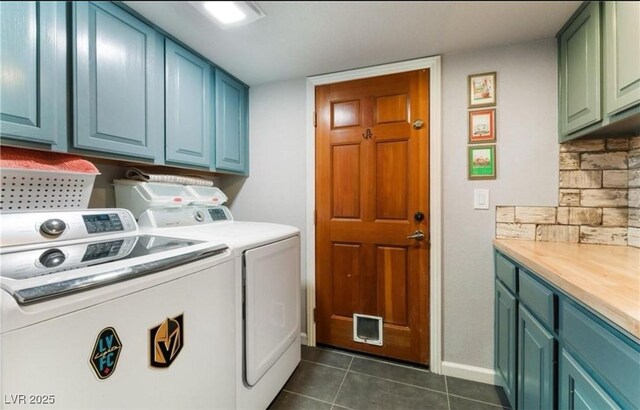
<point x="418" y="216"/>
<point x="417" y="124"/>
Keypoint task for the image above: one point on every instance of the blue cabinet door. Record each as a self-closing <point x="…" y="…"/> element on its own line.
<point x="118" y="82"/>
<point x="231" y="124"/>
<point x="535" y="363"/>
<point x="577" y="390"/>
<point x="505" y="340"/>
<point x="188" y="107"/>
<point x="33" y="97"/>
<point x="579" y="72"/>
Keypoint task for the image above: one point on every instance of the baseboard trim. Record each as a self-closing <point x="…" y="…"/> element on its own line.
<point x="463" y="371"/>
<point x="303" y="339"/>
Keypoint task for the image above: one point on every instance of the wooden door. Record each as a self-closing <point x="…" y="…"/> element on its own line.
<point x="372" y="173"/>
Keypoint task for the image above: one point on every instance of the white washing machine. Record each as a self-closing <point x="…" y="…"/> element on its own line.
<point x="96" y="315"/>
<point x="268" y="283"/>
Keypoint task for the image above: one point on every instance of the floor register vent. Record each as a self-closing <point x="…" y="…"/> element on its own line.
<point x="367" y="329"/>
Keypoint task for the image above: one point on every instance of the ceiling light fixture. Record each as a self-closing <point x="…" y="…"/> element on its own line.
<point x="227" y="14"/>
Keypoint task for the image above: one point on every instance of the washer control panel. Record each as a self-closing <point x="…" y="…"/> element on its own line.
<point x="22" y="228"/>
<point x="183" y="216"/>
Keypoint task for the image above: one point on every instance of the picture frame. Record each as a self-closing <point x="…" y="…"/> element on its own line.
<point x="481" y="160"/>
<point x="482" y="126"/>
<point x="482" y="90"/>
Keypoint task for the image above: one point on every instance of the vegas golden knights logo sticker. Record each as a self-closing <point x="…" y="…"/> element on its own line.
<point x="106" y="353"/>
<point x="165" y="342"/>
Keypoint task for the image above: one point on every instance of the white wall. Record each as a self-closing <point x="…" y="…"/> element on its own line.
<point x="275" y="190"/>
<point x="527" y="167"/>
<point x="527" y="153"/>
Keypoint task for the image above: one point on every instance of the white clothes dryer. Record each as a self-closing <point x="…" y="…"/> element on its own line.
<point x="268" y="288"/>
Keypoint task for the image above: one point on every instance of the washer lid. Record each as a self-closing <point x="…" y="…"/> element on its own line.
<point x="34" y="274"/>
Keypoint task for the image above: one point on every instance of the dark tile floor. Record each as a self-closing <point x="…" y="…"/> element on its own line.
<point x="328" y="379"/>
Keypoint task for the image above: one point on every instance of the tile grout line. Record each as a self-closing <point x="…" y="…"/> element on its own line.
<point x="342" y="383"/>
<point x="396" y="381"/>
<point x="324" y="364"/>
<point x="499" y="406"/>
<point x="308" y="397"/>
<point x="446" y="388"/>
<point x="394" y="364"/>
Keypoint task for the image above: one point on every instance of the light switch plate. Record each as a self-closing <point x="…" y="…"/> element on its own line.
<point x="480" y="199"/>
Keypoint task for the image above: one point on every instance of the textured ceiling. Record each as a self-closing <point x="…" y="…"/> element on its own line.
<point x="299" y="39"/>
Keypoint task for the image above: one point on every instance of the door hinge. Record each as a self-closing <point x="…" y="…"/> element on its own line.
<point x="315" y="119"/>
<point x="315" y="315"/>
<point x="315" y="217"/>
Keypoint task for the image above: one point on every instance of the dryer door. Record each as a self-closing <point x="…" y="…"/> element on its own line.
<point x="272" y="304"/>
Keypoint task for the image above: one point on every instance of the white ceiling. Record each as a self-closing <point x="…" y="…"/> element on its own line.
<point x="299" y="39"/>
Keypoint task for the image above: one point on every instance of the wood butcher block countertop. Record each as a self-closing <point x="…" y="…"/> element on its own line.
<point x="603" y="277"/>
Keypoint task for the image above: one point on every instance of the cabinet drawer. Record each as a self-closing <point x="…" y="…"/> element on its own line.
<point x="538" y="298"/>
<point x="506" y="272"/>
<point x="615" y="361"/>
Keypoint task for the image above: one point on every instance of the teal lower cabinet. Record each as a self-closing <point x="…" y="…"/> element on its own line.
<point x="505" y="345"/>
<point x="553" y="352"/>
<point x="535" y="363"/>
<point x="578" y="390"/>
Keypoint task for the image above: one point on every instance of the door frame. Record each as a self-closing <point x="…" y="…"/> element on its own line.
<point x="434" y="64"/>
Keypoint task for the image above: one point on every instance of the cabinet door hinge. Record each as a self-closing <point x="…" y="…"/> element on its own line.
<point x="315" y="119"/>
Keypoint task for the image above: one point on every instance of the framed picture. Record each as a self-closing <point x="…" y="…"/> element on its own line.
<point x="482" y="126"/>
<point x="482" y="90"/>
<point x="482" y="162"/>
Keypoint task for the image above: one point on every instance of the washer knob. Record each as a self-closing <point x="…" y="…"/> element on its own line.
<point x="52" y="258"/>
<point x="199" y="216"/>
<point x="53" y="227"/>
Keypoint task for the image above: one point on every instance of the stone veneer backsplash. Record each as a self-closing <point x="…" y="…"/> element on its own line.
<point x="599" y="198"/>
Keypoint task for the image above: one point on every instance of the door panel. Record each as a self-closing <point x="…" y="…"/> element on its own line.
<point x="346" y="278"/>
<point x="345" y="176"/>
<point x="345" y="114"/>
<point x="505" y="340"/>
<point x="371" y="177"/>
<point x="391" y="180"/>
<point x="392" y="283"/>
<point x="392" y="108"/>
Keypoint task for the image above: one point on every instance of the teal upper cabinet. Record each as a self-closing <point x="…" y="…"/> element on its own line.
<point x="188" y="110"/>
<point x="579" y="76"/>
<point x="231" y="124"/>
<point x="599" y="71"/>
<point x="118" y="83"/>
<point x="33" y="78"/>
<point x="621" y="55"/>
